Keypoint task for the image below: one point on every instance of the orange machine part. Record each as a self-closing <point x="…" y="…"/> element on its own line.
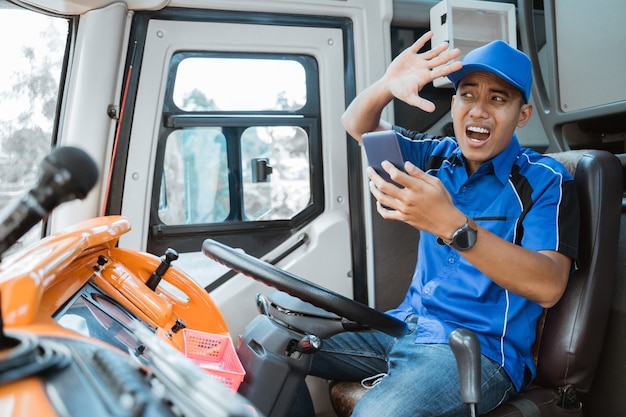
<point x="25" y="397"/>
<point x="26" y="274"/>
<point x="37" y="281"/>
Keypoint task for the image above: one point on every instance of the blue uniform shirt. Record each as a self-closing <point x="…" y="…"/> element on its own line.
<point x="520" y="195"/>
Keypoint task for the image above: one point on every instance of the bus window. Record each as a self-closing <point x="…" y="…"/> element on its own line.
<point x="33" y="48"/>
<point x="194" y="187"/>
<point x="276" y="182"/>
<point x="233" y="156"/>
<point x="226" y="84"/>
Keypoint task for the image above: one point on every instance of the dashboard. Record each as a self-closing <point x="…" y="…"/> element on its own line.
<point x="80" y="336"/>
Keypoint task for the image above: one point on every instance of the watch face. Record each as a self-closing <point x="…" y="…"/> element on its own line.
<point x="464" y="238"/>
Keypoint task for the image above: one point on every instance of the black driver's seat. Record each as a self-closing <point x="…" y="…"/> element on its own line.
<point x="571" y="337"/>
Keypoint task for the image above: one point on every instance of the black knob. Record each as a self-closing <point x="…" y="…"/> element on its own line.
<point x="102" y="260"/>
<point x="178" y="326"/>
<point x="166" y="261"/>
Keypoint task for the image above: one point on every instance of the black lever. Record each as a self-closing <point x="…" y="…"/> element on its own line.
<point x="466" y="349"/>
<point x="166" y="261"/>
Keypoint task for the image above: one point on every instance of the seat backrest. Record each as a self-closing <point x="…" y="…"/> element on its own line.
<point x="574" y="329"/>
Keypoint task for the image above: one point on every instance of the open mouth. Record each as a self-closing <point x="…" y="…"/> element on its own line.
<point x="476" y="133"/>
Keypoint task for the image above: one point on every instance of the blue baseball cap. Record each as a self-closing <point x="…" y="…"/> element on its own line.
<point x="501" y="59"/>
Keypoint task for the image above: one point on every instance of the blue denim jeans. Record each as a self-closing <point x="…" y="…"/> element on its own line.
<point x="419" y="379"/>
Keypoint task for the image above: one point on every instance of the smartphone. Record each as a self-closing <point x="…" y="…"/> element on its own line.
<point x="383" y="146"/>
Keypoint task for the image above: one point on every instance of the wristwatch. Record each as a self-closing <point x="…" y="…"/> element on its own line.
<point x="463" y="238"/>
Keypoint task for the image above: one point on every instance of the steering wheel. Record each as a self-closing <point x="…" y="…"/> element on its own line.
<point x="303" y="289"/>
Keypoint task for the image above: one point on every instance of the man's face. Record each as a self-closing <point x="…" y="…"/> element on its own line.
<point x="485" y="112"/>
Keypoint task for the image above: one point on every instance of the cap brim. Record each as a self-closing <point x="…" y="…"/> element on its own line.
<point x="456" y="76"/>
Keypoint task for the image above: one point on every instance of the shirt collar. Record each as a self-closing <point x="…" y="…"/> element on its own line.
<point x="501" y="164"/>
<point x="456" y="157"/>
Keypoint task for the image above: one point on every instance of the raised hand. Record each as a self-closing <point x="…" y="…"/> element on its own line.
<point x="410" y="71"/>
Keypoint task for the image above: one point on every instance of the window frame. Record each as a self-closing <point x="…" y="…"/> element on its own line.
<point x="233" y="124"/>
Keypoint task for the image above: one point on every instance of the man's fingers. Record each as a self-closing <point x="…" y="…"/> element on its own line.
<point x="412" y="170"/>
<point x="384" y="202"/>
<point x="393" y="171"/>
<point x="417" y="173"/>
<point x="420" y="42"/>
<point x="439" y="60"/>
<point x="435" y="52"/>
<point x="420" y="102"/>
<point x="379" y="181"/>
<point x="445" y="69"/>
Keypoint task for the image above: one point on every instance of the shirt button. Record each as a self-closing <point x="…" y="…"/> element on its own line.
<point x="450" y="260"/>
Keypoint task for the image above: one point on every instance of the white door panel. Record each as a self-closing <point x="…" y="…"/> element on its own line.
<point x="326" y="259"/>
<point x="316" y="261"/>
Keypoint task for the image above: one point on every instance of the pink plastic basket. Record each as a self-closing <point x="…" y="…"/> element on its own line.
<point x="216" y="355"/>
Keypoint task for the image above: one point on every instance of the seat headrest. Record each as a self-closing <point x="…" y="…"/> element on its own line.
<point x="569" y="159"/>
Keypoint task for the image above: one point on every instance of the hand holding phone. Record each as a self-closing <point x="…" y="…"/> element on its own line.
<point x="383" y="146"/>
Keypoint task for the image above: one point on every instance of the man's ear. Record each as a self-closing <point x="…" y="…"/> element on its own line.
<point x="526" y="111"/>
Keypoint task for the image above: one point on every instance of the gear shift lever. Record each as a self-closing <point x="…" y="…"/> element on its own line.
<point x="466" y="349"/>
<point x="166" y="261"/>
